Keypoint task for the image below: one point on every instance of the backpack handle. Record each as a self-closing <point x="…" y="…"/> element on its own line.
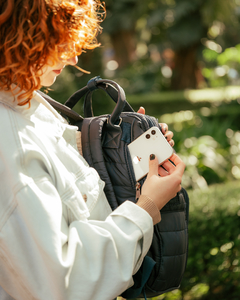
<point x="113" y="89"/>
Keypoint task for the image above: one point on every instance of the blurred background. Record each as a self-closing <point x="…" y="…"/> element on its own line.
<point x="180" y="59"/>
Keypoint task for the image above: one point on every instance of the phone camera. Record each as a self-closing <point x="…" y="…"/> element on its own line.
<point x="147" y="136"/>
<point x="153" y="132"/>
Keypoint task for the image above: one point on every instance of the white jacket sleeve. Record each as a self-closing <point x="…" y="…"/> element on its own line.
<point x="43" y="257"/>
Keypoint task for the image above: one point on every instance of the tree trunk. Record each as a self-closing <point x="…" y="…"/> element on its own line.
<point x="186" y="72"/>
<point x="124" y="46"/>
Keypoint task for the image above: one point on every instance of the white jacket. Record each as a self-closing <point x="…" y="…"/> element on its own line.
<point x="59" y="239"/>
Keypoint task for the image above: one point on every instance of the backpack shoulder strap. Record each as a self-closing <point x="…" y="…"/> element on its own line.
<point x="63" y="109"/>
<point x="91" y="135"/>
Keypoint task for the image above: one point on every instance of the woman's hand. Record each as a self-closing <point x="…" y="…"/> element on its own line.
<point x="163" y="182"/>
<point x="167" y="133"/>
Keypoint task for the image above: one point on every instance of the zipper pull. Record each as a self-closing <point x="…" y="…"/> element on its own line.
<point x="138" y="186"/>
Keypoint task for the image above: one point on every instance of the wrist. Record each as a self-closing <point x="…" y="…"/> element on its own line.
<point x="150" y="207"/>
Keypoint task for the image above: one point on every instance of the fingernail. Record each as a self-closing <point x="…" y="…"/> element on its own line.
<point x="152" y="156"/>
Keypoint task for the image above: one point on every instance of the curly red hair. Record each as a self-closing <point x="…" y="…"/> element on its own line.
<point x="32" y="32"/>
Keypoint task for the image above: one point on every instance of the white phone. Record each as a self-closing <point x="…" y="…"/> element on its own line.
<point x="150" y="142"/>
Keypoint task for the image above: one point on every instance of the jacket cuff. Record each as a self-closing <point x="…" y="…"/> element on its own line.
<point x="149" y="206"/>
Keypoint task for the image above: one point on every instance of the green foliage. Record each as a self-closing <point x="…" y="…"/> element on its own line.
<point x="214" y="241"/>
<point x="142" y="76"/>
<point x="206" y="27"/>
<point x="230" y="56"/>
<point x="208" y="143"/>
<point x="187" y="31"/>
<point x="219" y="10"/>
<point x="222" y="69"/>
<point x="210" y="55"/>
<point x="213" y="267"/>
<point x="121" y="15"/>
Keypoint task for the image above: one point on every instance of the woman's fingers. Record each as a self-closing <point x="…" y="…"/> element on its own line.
<point x="162" y="188"/>
<point x="164" y="128"/>
<point x="180" y="166"/>
<point x="174" y="164"/>
<point x="162" y="172"/>
<point x="167" y="133"/>
<point x="168" y="167"/>
<point x="141" y="110"/>
<point x="169" y="138"/>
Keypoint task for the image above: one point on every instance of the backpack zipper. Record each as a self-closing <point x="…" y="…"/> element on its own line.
<point x="138" y="187"/>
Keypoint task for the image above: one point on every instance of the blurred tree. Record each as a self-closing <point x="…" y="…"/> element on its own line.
<point x="183" y="26"/>
<point x="155" y="45"/>
<point x="120" y="24"/>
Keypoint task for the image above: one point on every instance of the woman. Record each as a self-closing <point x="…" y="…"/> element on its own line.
<point x="58" y="236"/>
